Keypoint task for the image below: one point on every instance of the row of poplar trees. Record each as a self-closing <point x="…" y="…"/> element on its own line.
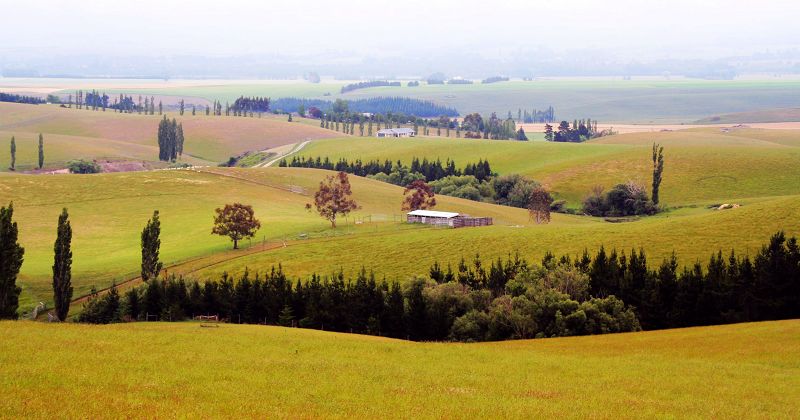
<point x="13" y="165"/>
<point x="12" y="256"/>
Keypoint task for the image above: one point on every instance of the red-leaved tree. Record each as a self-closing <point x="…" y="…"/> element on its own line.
<point x="334" y="198"/>
<point x="236" y="221"/>
<point x="421" y="197"/>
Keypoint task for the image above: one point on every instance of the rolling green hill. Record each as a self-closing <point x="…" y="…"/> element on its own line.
<point x="157" y="370"/>
<point x="109" y="135"/>
<point x="702" y="165"/>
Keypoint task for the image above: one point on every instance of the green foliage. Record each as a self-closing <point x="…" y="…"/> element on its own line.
<point x="151" y="244"/>
<point x="62" y="267"/>
<point x="623" y="200"/>
<point x="11" y="257"/>
<point x="104" y="309"/>
<point x="41" y="151"/>
<point x="13" y="153"/>
<point x="81" y="166"/>
<point x="658" y="169"/>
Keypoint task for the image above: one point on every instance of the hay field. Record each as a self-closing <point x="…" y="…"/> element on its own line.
<point x="158" y="370"/>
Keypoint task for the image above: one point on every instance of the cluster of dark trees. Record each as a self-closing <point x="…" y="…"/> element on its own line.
<point x="363" y="85"/>
<point x="430" y="170"/>
<point x="459" y="82"/>
<point x="629" y="199"/>
<point x="581" y="130"/>
<point x="20" y="99"/>
<point x="247" y="104"/>
<point x="170" y="140"/>
<point x="495" y="79"/>
<point x="494" y="300"/>
<point x="536" y="116"/>
<point x="494" y="128"/>
<point x="377" y="105"/>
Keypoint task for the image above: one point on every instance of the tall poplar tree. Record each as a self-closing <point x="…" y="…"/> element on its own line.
<point x="151" y="245"/>
<point x="41" y="151"/>
<point x="10" y="262"/>
<point x="13" y="152"/>
<point x="62" y="267"/>
<point x="658" y="168"/>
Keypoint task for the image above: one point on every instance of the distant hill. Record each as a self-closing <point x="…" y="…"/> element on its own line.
<point x="760" y="116"/>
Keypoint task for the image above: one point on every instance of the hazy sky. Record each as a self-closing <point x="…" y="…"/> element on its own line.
<point x="673" y="28"/>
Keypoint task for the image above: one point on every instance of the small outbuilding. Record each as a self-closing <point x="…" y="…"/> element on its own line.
<point x="448" y="219"/>
<point x="396" y="132"/>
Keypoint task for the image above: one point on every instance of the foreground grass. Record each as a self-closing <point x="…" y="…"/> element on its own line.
<point x="183" y="370"/>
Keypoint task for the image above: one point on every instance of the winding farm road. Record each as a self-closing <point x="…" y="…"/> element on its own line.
<point x="294" y="150"/>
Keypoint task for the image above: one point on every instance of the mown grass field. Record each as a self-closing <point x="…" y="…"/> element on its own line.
<point x="609" y="100"/>
<point x="164" y="370"/>
<point x="108" y="135"/>
<point x="702" y="165"/>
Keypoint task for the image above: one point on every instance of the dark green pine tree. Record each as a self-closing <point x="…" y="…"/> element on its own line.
<point x="179" y="139"/>
<point x="41" y="151"/>
<point x="182" y="107"/>
<point x="658" y="168"/>
<point x="10" y="262"/>
<point x="62" y="267"/>
<point x="194" y="110"/>
<point x="286" y="317"/>
<point x="160" y="109"/>
<point x="151" y="245"/>
<point x="13" y="153"/>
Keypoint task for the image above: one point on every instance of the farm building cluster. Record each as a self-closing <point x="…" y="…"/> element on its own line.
<point x="446" y="219"/>
<point x="396" y="132"/>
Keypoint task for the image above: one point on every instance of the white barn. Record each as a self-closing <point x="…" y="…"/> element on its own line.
<point x="396" y="132"/>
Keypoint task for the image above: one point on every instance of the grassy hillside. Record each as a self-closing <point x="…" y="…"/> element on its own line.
<point x="108" y="134"/>
<point x="108" y="212"/>
<point x="702" y="165"/>
<point x="745" y="370"/>
<point x="678" y="100"/>
<point x="765" y="115"/>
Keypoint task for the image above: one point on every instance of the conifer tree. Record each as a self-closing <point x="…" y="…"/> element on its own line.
<point x="194" y="111"/>
<point x="159" y="108"/>
<point x="13" y="153"/>
<point x="62" y="267"/>
<point x="41" y="151"/>
<point x="182" y="107"/>
<point x="10" y="262"/>
<point x="151" y="245"/>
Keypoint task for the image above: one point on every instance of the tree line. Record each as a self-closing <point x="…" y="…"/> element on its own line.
<point x="494" y="300"/>
<point x="430" y="170"/>
<point x="580" y="131"/>
<point x="536" y="116"/>
<point x="363" y="85"/>
<point x="376" y="105"/>
<point x="20" y="99"/>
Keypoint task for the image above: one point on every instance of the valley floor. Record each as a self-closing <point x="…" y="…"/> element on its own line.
<point x="187" y="370"/>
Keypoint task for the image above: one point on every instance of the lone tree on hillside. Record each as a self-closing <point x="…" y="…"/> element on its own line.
<point x="170" y="139"/>
<point x="658" y="168"/>
<point x="421" y="198"/>
<point x="13" y="153"/>
<point x="41" y="151"/>
<point x="236" y="221"/>
<point x="151" y="244"/>
<point x="10" y="262"/>
<point x="334" y="198"/>
<point x="62" y="267"/>
<point x="539" y="205"/>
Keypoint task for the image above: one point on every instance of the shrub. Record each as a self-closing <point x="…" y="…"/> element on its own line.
<point x="81" y="166"/>
<point x="628" y="199"/>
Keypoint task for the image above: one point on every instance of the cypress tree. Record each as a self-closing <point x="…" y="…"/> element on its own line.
<point x="194" y="110"/>
<point x="151" y="244"/>
<point x="658" y="168"/>
<point x="13" y="152"/>
<point x="181" y="110"/>
<point x="41" y="151"/>
<point x="159" y="108"/>
<point x="10" y="262"/>
<point x="62" y="267"/>
<point x="179" y="138"/>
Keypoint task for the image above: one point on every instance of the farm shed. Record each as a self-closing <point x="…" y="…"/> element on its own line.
<point x="449" y="219"/>
<point x="396" y="132"/>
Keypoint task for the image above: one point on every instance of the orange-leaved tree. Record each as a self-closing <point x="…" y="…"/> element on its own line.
<point x="236" y="221"/>
<point x="421" y="197"/>
<point x="334" y="198"/>
<point x="539" y="205"/>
